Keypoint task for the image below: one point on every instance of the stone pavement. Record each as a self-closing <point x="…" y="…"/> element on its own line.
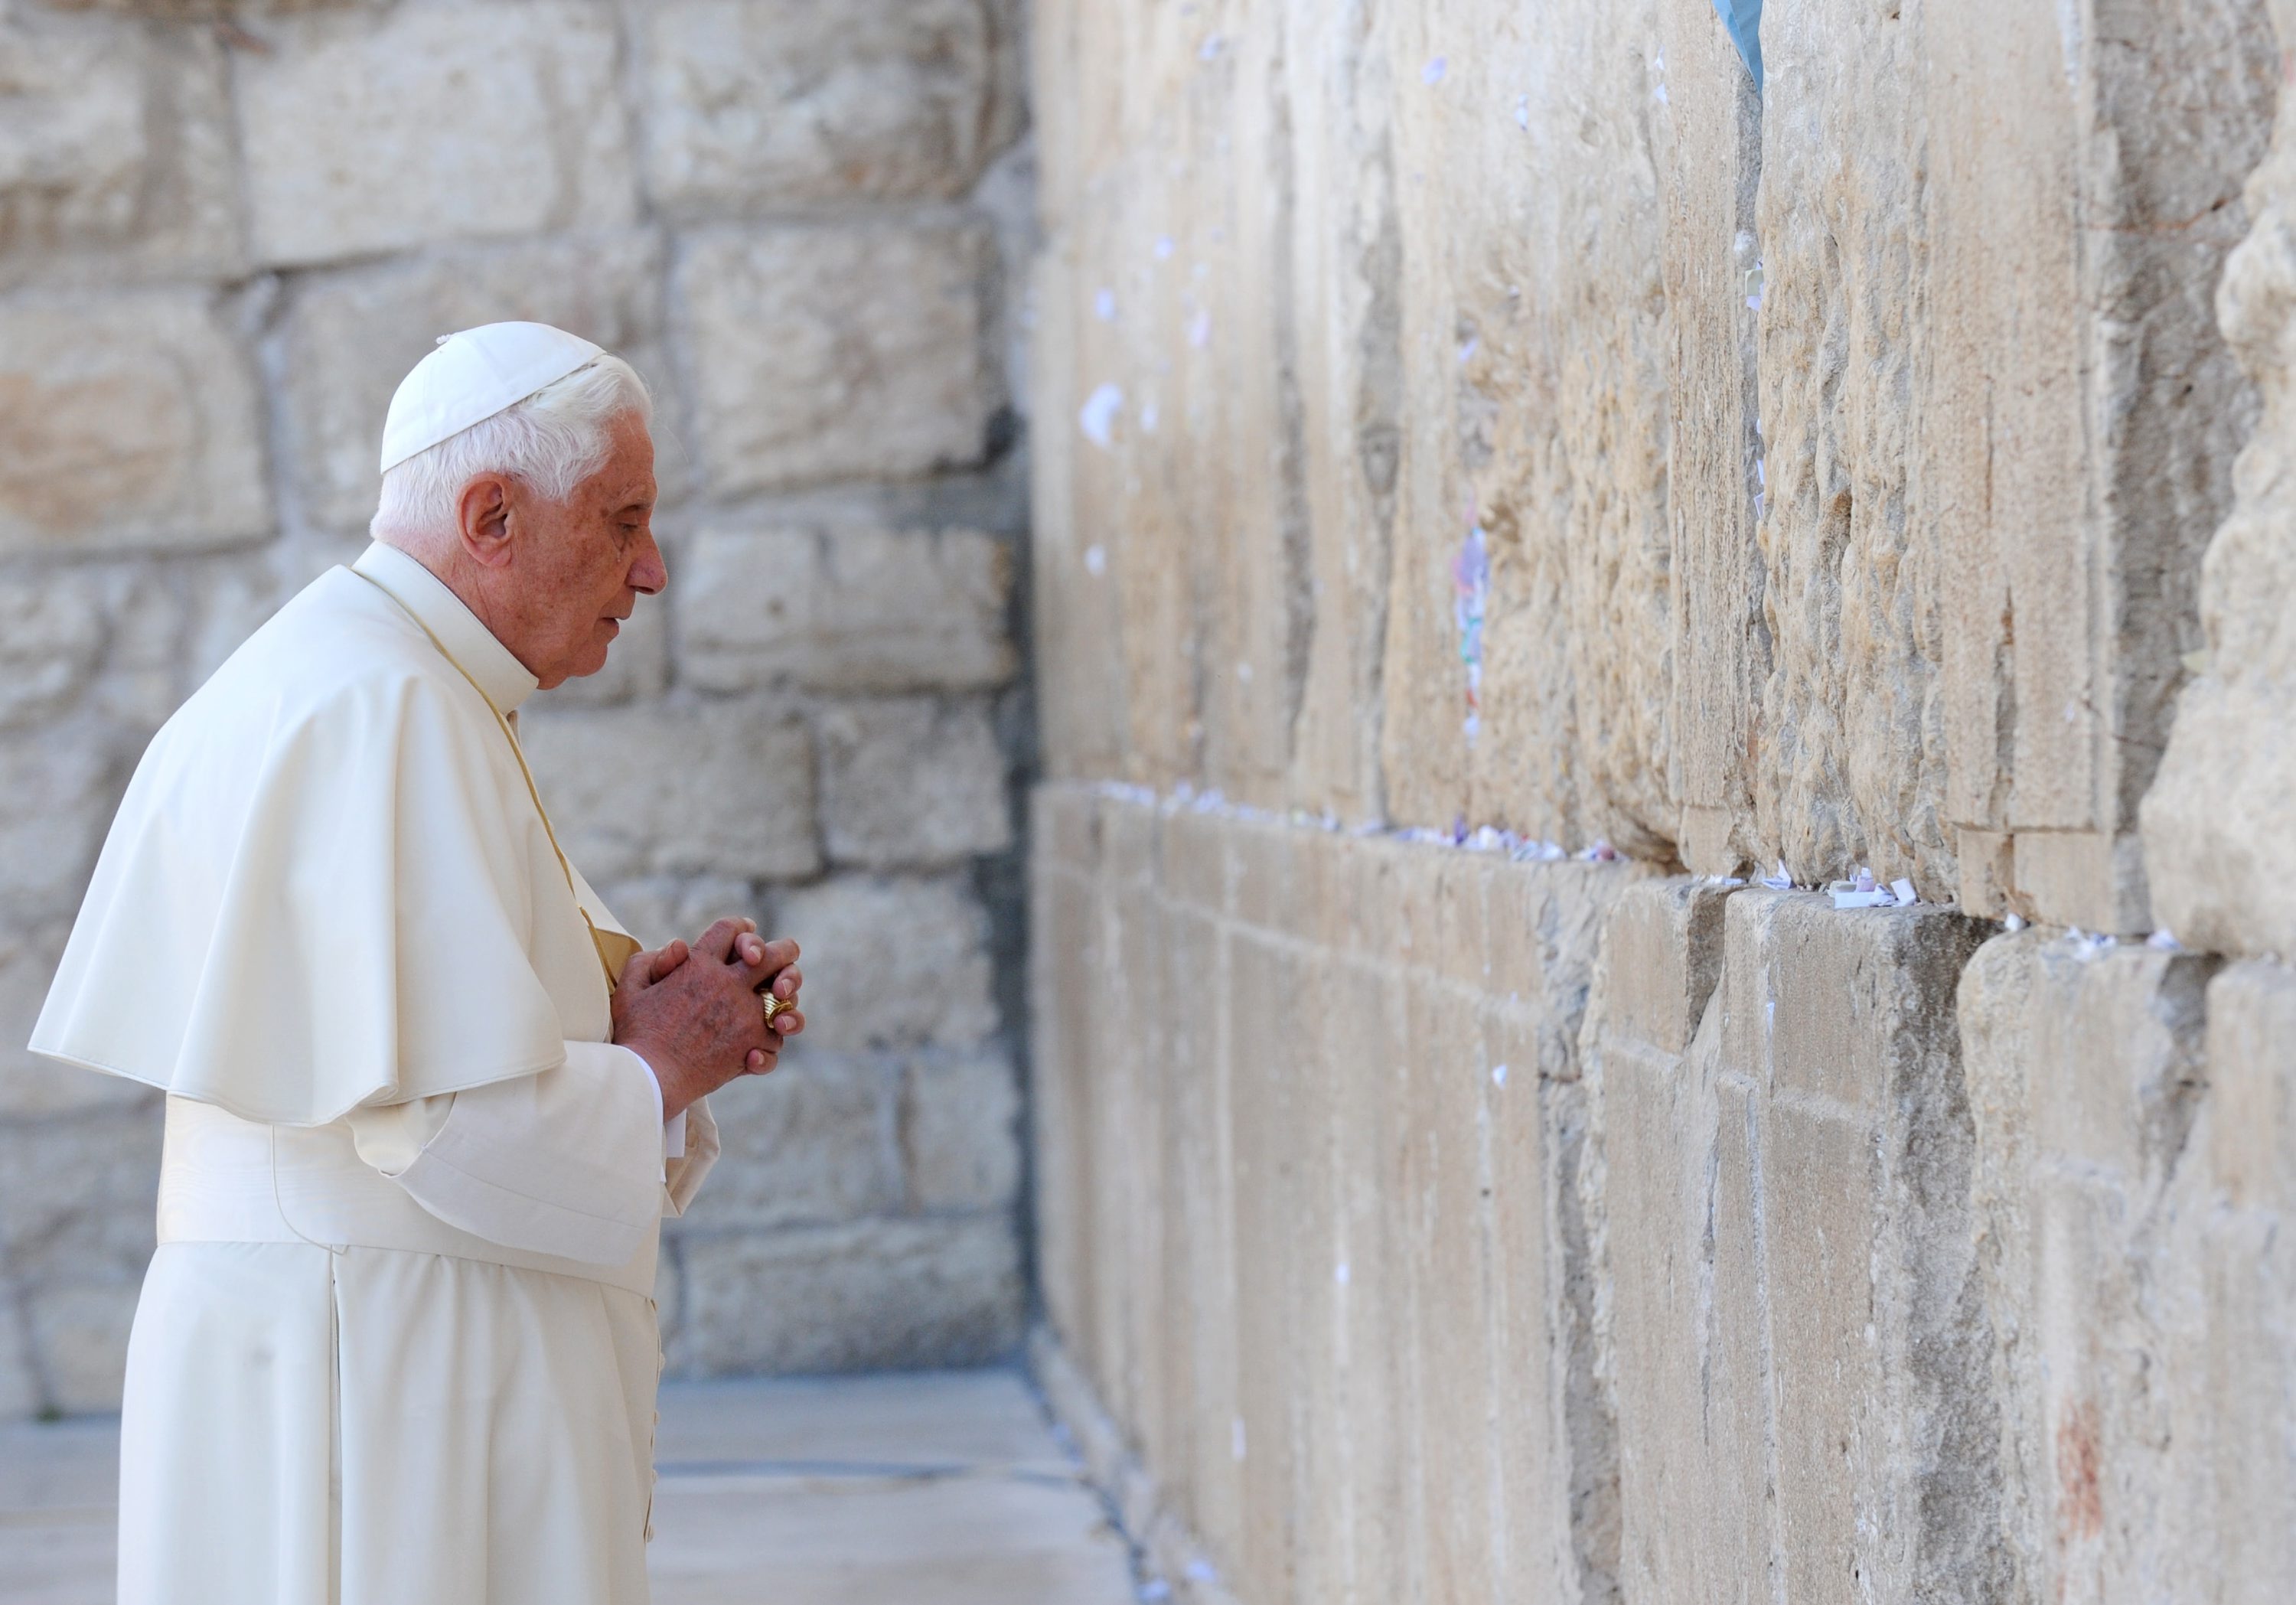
<point x="928" y="1488"/>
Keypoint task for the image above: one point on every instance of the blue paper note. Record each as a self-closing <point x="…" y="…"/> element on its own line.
<point x="1743" y="20"/>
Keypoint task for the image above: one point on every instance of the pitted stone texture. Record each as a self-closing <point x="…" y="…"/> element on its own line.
<point x="890" y="963"/>
<point x="721" y="786"/>
<point x="432" y="123"/>
<point x="837" y="351"/>
<point x="115" y="155"/>
<point x="908" y="783"/>
<point x="2220" y="857"/>
<point x="1849" y="765"/>
<point x="846" y="609"/>
<point x="133" y="424"/>
<point x="757" y="103"/>
<point x="352" y="336"/>
<point x="960" y="1131"/>
<point x="2080" y="241"/>
<point x="1779" y="1202"/>
<point x="878" y="1294"/>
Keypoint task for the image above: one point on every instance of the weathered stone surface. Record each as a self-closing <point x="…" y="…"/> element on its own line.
<point x="960" y="1131"/>
<point x="721" y="786"/>
<point x="908" y="783"/>
<point x="67" y="1177"/>
<point x="115" y="155"/>
<point x="846" y="609"/>
<point x="55" y="635"/>
<point x="2089" y="1082"/>
<point x="2220" y="859"/>
<point x="810" y="1144"/>
<point x="755" y="103"/>
<point x="55" y="800"/>
<point x="133" y="424"/>
<point x="828" y="352"/>
<point x="890" y="963"/>
<point x="2239" y="1469"/>
<point x="2078" y="234"/>
<point x="875" y="1294"/>
<point x="352" y="335"/>
<point x="432" y="123"/>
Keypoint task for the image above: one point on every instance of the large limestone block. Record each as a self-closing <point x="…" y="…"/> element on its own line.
<point x="960" y="1131"/>
<point x="1848" y="764"/>
<point x="837" y="351"/>
<point x="891" y="962"/>
<point x="132" y="423"/>
<point x="2241" y="1468"/>
<point x="909" y="782"/>
<point x="2080" y="414"/>
<point x="55" y="637"/>
<point x="888" y="1293"/>
<point x="2087" y="1083"/>
<point x="807" y="1146"/>
<point x="1708" y="146"/>
<point x="366" y="133"/>
<point x="352" y="336"/>
<point x="2220" y="856"/>
<point x="1841" y="1024"/>
<point x="115" y="154"/>
<point x="757" y="103"/>
<point x="725" y="787"/>
<point x="846" y="609"/>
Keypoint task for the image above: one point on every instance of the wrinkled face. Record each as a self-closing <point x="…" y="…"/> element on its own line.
<point x="578" y="567"/>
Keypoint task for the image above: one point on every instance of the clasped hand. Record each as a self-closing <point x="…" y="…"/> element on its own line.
<point x="694" y="1014"/>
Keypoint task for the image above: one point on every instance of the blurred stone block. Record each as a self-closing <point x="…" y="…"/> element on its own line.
<point x="890" y="963"/>
<point x="846" y="609"/>
<point x="960" y="1130"/>
<point x="883" y="1293"/>
<point x="432" y="123"/>
<point x="754" y="103"/>
<point x="722" y="787"/>
<point x="352" y="336"/>
<point x="132" y="423"/>
<point x="116" y="158"/>
<point x="910" y="782"/>
<point x="810" y="1144"/>
<point x="837" y="351"/>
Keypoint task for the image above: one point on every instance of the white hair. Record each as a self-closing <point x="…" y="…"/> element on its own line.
<point x="551" y="441"/>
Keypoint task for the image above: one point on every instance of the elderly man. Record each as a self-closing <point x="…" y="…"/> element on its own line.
<point x="427" y="1102"/>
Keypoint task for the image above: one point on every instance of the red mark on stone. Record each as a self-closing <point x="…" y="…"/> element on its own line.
<point x="2080" y="1500"/>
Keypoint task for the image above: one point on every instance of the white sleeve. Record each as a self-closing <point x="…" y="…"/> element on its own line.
<point x="567" y="1162"/>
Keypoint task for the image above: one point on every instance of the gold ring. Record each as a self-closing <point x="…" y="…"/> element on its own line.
<point x="774" y="1005"/>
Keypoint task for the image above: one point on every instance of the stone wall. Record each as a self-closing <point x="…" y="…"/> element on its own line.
<point x="227" y="229"/>
<point x="1509" y="484"/>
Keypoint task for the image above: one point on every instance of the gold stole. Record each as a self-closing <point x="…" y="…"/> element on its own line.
<point x="614" y="949"/>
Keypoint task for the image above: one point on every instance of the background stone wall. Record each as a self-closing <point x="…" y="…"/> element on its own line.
<point x="226" y="230"/>
<point x="1504" y="485"/>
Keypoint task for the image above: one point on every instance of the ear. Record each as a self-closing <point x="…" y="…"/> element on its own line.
<point x="483" y="517"/>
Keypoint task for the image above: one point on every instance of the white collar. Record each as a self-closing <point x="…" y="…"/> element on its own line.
<point x="501" y="677"/>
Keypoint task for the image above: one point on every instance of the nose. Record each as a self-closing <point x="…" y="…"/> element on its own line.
<point x="650" y="573"/>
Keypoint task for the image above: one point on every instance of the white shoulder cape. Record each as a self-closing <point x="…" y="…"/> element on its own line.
<point x="327" y="884"/>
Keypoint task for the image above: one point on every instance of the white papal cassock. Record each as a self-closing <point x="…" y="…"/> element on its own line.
<point x="398" y="1346"/>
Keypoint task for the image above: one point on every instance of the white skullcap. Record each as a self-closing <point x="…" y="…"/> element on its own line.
<point x="470" y="377"/>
